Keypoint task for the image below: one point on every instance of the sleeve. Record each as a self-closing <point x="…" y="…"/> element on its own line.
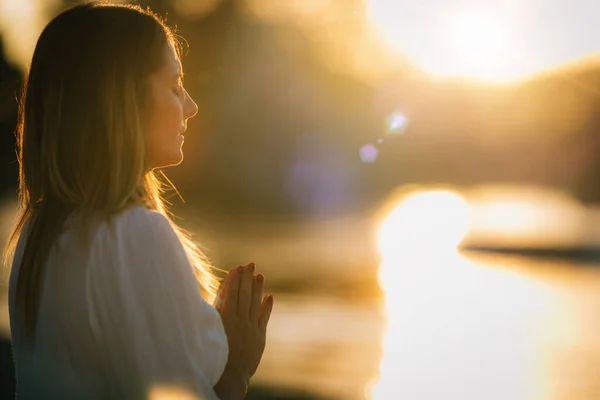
<point x="155" y="330"/>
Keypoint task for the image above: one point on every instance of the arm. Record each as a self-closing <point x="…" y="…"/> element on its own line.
<point x="153" y="327"/>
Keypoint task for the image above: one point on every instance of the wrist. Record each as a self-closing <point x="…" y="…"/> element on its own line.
<point x="236" y="374"/>
<point x="233" y="384"/>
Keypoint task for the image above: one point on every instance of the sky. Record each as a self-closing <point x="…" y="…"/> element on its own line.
<point x="496" y="40"/>
<point x="526" y="35"/>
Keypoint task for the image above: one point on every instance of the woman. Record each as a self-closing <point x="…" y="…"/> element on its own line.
<point x="108" y="298"/>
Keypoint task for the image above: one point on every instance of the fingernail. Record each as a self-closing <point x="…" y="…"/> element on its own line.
<point x="240" y="269"/>
<point x="260" y="278"/>
<point x="270" y="298"/>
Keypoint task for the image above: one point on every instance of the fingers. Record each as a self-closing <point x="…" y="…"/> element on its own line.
<point x="257" y="295"/>
<point x="231" y="292"/>
<point x="265" y="312"/>
<point x="245" y="294"/>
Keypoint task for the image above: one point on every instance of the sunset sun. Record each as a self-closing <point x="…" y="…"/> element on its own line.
<point x="467" y="43"/>
<point x="479" y="44"/>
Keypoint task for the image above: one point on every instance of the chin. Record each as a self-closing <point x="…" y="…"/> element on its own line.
<point x="170" y="161"/>
<point x="175" y="161"/>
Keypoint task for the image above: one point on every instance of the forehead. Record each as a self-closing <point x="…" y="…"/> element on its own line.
<point x="171" y="63"/>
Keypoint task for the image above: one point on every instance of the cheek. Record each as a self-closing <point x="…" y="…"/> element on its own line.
<point x="163" y="122"/>
<point x="166" y="111"/>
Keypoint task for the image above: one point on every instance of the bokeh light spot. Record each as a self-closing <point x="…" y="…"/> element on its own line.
<point x="369" y="153"/>
<point x="397" y="123"/>
<point x="169" y="392"/>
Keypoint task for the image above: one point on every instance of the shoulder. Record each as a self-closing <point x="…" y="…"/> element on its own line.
<point x="139" y="220"/>
<point x="137" y="232"/>
<point x="137" y="224"/>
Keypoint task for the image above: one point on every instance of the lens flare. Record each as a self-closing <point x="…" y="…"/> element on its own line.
<point x="369" y="153"/>
<point x="397" y="123"/>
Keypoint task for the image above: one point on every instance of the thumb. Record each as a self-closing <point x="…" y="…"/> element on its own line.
<point x="221" y="294"/>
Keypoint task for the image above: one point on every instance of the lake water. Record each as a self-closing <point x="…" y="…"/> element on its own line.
<point x="453" y="325"/>
<point x="490" y="328"/>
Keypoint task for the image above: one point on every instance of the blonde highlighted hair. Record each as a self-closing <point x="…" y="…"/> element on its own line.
<point x="81" y="138"/>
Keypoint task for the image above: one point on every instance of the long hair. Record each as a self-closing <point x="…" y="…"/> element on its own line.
<point x="80" y="135"/>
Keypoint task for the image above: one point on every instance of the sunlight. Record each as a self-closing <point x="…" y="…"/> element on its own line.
<point x="423" y="220"/>
<point x="423" y="229"/>
<point x="21" y="22"/>
<point x="454" y="329"/>
<point x="448" y="42"/>
<point x="478" y="40"/>
<point x="170" y="392"/>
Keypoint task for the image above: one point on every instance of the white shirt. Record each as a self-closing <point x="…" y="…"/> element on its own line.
<point x="121" y="320"/>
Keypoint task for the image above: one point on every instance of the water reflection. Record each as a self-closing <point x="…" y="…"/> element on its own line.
<point x="460" y="329"/>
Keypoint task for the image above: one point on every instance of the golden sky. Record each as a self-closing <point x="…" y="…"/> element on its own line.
<point x="479" y="39"/>
<point x="489" y="40"/>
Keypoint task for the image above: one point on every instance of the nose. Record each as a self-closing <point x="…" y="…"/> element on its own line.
<point x="190" y="107"/>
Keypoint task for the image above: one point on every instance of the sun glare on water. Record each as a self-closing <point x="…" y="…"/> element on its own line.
<point x="424" y="220"/>
<point x="455" y="329"/>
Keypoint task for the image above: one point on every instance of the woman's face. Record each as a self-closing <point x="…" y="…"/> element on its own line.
<point x="170" y="108"/>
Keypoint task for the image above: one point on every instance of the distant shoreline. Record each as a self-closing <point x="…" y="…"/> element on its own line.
<point x="584" y="255"/>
